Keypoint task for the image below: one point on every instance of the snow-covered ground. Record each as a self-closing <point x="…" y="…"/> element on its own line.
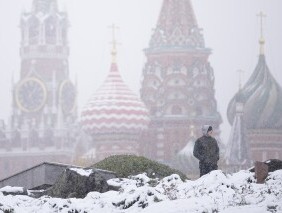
<point x="215" y="192"/>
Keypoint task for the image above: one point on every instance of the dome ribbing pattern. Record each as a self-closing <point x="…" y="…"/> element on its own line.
<point x="262" y="99"/>
<point x="114" y="108"/>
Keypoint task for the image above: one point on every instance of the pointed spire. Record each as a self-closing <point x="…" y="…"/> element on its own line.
<point x="177" y="26"/>
<point x="261" y="15"/>
<point x="177" y="12"/>
<point x="44" y="5"/>
<point x="237" y="153"/>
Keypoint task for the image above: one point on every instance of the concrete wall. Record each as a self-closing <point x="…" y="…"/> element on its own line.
<point x="36" y="176"/>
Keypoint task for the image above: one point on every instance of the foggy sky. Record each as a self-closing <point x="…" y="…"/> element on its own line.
<point x="230" y="27"/>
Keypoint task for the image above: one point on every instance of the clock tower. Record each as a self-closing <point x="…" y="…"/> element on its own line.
<point x="41" y="127"/>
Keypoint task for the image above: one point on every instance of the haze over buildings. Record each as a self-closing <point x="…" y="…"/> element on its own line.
<point x="182" y="67"/>
<point x="230" y="28"/>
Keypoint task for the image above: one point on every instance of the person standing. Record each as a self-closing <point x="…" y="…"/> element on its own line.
<point x="206" y="151"/>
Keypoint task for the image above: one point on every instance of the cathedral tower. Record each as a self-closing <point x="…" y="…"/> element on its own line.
<point x="114" y="116"/>
<point x="44" y="98"/>
<point x="262" y="111"/>
<point x="178" y="82"/>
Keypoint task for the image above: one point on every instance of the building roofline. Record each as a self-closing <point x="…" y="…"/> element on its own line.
<point x="48" y="163"/>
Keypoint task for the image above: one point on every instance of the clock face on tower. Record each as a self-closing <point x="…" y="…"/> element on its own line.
<point x="30" y="95"/>
<point x="67" y="96"/>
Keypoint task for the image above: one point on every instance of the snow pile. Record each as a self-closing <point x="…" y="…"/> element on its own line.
<point x="82" y="172"/>
<point x="215" y="192"/>
<point x="12" y="189"/>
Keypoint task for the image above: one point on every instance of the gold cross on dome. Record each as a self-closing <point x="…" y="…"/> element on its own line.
<point x="114" y="42"/>
<point x="261" y="15"/>
<point x="240" y="73"/>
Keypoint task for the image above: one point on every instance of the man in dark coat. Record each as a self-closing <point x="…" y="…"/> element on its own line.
<point x="206" y="151"/>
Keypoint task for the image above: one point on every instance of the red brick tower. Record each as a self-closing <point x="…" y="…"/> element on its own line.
<point x="44" y="99"/>
<point x="178" y="83"/>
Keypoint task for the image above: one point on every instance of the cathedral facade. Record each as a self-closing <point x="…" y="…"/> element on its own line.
<point x="178" y="84"/>
<point x="41" y="127"/>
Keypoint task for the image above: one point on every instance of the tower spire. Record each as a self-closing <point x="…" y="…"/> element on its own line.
<point x="261" y="15"/>
<point x="177" y="26"/>
<point x="45" y="5"/>
<point x="114" y="43"/>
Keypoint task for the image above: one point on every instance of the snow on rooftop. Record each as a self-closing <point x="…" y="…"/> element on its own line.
<point x="12" y="189"/>
<point x="82" y="172"/>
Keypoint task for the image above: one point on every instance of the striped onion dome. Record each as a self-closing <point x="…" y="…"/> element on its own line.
<point x="262" y="99"/>
<point x="114" y="108"/>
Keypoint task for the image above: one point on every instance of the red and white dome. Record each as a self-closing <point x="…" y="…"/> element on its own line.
<point x="114" y="108"/>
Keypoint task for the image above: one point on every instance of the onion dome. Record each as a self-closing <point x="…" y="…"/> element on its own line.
<point x="114" y="108"/>
<point x="262" y="99"/>
<point x="185" y="159"/>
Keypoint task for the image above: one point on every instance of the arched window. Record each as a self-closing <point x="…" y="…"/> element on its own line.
<point x="33" y="30"/>
<point x="51" y="30"/>
<point x="64" y="31"/>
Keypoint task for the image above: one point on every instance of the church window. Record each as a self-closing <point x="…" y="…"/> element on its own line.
<point x="33" y="31"/>
<point x="51" y="30"/>
<point x="176" y="68"/>
<point x="64" y="31"/>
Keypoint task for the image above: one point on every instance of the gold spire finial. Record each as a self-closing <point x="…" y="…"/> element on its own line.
<point x="240" y="73"/>
<point x="114" y="43"/>
<point x="192" y="131"/>
<point x="261" y="15"/>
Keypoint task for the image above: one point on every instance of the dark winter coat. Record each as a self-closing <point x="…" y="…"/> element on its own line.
<point x="206" y="150"/>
